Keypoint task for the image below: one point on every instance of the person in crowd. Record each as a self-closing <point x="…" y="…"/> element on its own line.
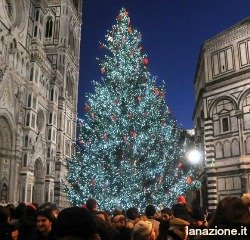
<point x="198" y="221"/>
<point x="7" y="231"/>
<point x="143" y="230"/>
<point x="166" y="216"/>
<point x="117" y="211"/>
<point x="12" y="209"/>
<point x="246" y="199"/>
<point x="167" y="213"/>
<point x="181" y="209"/>
<point x="178" y="229"/>
<point x="150" y="214"/>
<point x="119" y="222"/>
<point x="231" y="213"/>
<point x="75" y="223"/>
<point x="91" y="205"/>
<point x="27" y="223"/>
<point x="104" y="227"/>
<point x="133" y="216"/>
<point x="53" y="208"/>
<point x="102" y="215"/>
<point x="45" y="229"/>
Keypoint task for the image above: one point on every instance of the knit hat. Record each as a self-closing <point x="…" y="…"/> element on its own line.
<point x="181" y="199"/>
<point x="142" y="229"/>
<point x="198" y="215"/>
<point x="48" y="213"/>
<point x="178" y="221"/>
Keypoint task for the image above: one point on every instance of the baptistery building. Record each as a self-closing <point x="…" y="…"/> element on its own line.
<point x="222" y="113"/>
<point x="39" y="72"/>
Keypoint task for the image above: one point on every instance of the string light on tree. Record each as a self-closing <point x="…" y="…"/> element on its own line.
<point x="134" y="147"/>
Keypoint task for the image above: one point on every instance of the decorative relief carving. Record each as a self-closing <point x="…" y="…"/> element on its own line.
<point x="226" y="35"/>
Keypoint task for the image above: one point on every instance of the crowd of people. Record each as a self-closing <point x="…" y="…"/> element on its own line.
<point x="87" y="222"/>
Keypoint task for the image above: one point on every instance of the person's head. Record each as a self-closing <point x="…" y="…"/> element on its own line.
<point x="166" y="213"/>
<point x="75" y="222"/>
<point x="119" y="220"/>
<point x="230" y="210"/>
<point x="180" y="226"/>
<point x="117" y="211"/>
<point x="132" y="213"/>
<point x="246" y="199"/>
<point x="54" y="209"/>
<point x="45" y="220"/>
<point x="4" y="214"/>
<point x="91" y="204"/>
<point x="198" y="218"/>
<point x="143" y="230"/>
<point x="150" y="211"/>
<point x="102" y="215"/>
<point x="20" y="210"/>
<point x="12" y="209"/>
<point x="181" y="199"/>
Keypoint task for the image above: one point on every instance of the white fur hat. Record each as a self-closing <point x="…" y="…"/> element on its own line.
<point x="142" y="230"/>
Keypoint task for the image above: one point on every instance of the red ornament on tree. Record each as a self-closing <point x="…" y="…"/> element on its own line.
<point x="114" y="117"/>
<point x="157" y="91"/>
<point x="145" y="61"/>
<point x="118" y="18"/>
<point x="101" y="46"/>
<point x="130" y="30"/>
<point x="105" y="137"/>
<point x="139" y="98"/>
<point x="126" y="13"/>
<point x="133" y="134"/>
<point x="189" y="180"/>
<point x="86" y="107"/>
<point x="179" y="165"/>
<point x="92" y="182"/>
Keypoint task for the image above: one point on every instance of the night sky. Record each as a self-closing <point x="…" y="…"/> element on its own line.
<point x="172" y="34"/>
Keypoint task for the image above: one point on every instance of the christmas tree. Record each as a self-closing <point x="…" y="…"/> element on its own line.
<point x="129" y="150"/>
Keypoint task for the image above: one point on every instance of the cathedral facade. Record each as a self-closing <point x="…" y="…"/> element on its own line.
<point x="222" y="113"/>
<point x="39" y="73"/>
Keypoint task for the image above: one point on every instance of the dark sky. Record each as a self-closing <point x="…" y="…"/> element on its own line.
<point x="172" y="34"/>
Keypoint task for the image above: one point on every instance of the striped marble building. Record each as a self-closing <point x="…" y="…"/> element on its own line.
<point x="222" y="113"/>
<point x="39" y="73"/>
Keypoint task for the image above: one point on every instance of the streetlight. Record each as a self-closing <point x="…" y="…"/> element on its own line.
<point x="194" y="157"/>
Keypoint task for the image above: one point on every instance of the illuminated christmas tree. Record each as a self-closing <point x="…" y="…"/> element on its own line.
<point x="129" y="149"/>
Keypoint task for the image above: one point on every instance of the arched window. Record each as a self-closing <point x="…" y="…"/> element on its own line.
<point x="48" y="168"/>
<point x="25" y="159"/>
<point x="51" y="94"/>
<point x="227" y="149"/>
<point x="218" y="150"/>
<point x="247" y="145"/>
<point x="26" y="141"/>
<point x="27" y="119"/>
<point x="35" y="31"/>
<point x="31" y="74"/>
<point x="49" y="134"/>
<point x="50" y="117"/>
<point x="235" y="147"/>
<point x="49" y="27"/>
<point x="29" y="101"/>
<point x="37" y="15"/>
<point x="48" y="152"/>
